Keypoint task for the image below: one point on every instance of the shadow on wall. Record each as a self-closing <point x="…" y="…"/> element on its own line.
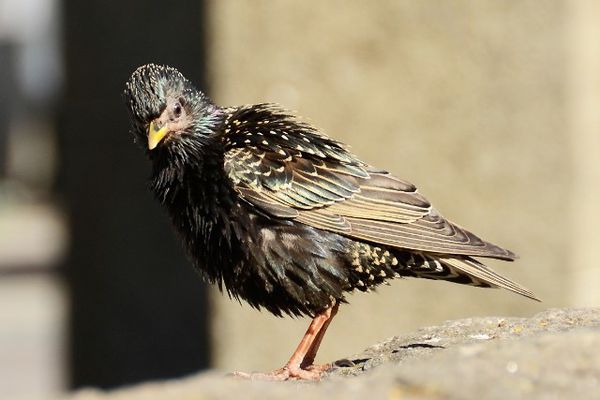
<point x="138" y="311"/>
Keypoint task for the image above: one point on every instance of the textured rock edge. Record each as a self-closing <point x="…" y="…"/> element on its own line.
<point x="554" y="353"/>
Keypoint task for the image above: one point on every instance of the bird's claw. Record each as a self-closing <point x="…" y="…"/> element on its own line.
<point x="288" y="372"/>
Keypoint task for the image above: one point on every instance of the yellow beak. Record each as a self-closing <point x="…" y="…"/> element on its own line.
<point x="155" y="136"/>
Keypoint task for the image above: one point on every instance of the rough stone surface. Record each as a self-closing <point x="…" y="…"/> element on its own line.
<point x="553" y="355"/>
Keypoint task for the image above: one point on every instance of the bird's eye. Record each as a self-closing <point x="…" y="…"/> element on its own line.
<point x="177" y="109"/>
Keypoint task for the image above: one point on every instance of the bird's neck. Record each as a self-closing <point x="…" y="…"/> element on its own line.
<point x="190" y="176"/>
<point x="193" y="187"/>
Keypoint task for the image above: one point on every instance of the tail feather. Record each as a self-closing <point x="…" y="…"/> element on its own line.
<point x="482" y="275"/>
<point x="457" y="269"/>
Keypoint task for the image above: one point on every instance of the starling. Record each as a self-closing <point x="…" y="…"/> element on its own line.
<point x="278" y="214"/>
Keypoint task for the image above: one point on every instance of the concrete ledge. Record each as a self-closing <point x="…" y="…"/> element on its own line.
<point x="554" y="354"/>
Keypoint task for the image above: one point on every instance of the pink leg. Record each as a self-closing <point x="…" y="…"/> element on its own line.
<point x="300" y="364"/>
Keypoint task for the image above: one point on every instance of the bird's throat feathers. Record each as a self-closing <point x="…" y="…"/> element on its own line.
<point x="192" y="164"/>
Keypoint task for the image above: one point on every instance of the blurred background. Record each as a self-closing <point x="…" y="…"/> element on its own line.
<point x="491" y="108"/>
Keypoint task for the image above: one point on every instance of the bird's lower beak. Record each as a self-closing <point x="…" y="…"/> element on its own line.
<point x="156" y="135"/>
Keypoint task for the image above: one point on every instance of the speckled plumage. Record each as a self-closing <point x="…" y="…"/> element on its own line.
<point x="280" y="215"/>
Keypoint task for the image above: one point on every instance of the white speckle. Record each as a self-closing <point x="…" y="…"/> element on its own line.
<point x="431" y="339"/>
<point x="359" y="269"/>
<point x="382" y="273"/>
<point x="512" y="367"/>
<point x="360" y="283"/>
<point x="247" y="141"/>
<point x="284" y="137"/>
<point x="273" y="132"/>
<point x="480" y="336"/>
<point x="306" y="139"/>
<point x="265" y="142"/>
<point x="394" y="261"/>
<point x="281" y="151"/>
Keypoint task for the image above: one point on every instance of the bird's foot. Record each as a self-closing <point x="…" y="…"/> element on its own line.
<point x="288" y="372"/>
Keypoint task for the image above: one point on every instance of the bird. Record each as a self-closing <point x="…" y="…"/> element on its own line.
<point x="276" y="213"/>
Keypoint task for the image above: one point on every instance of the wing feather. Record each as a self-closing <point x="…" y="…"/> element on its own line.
<point x="288" y="169"/>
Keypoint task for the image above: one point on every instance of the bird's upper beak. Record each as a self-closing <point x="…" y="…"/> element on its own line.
<point x="156" y="134"/>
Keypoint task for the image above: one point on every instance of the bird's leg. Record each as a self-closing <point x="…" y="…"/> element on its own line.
<point x="309" y="358"/>
<point x="300" y="364"/>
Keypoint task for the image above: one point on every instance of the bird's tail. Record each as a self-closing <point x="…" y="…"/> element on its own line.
<point x="467" y="270"/>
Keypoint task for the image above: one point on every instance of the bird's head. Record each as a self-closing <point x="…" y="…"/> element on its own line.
<point x="166" y="109"/>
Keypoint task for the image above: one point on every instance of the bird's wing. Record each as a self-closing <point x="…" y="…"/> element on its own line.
<point x="287" y="169"/>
